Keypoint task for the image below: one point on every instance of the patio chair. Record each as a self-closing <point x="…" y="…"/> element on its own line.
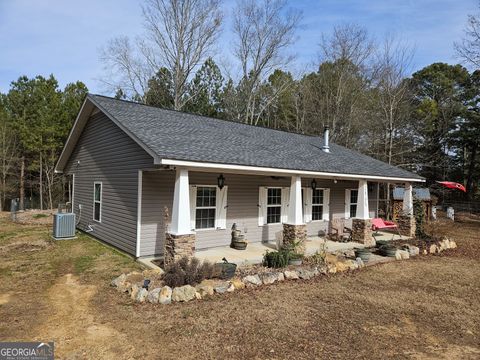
<point x="380" y="224"/>
<point x="339" y="232"/>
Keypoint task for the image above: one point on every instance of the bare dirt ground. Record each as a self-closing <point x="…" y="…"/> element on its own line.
<point x="424" y="308"/>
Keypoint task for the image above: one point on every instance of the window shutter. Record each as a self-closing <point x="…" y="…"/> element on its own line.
<point x="326" y="204"/>
<point x="221" y="208"/>
<point x="285" y="203"/>
<point x="347" y="203"/>
<point x="307" y="204"/>
<point x="262" y="205"/>
<point x="193" y="205"/>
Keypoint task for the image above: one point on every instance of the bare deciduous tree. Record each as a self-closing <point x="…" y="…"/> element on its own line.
<point x="469" y="48"/>
<point x="343" y="77"/>
<point x="264" y="30"/>
<point x="180" y="35"/>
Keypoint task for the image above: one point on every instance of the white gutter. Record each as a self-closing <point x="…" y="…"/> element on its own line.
<point x="273" y="171"/>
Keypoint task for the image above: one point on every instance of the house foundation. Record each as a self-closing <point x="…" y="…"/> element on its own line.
<point x="407" y="225"/>
<point x="293" y="234"/>
<point x="362" y="231"/>
<point x="178" y="246"/>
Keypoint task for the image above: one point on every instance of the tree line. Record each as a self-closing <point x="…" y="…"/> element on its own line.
<point x="362" y="88"/>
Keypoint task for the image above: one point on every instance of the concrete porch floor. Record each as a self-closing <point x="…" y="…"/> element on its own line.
<point x="253" y="254"/>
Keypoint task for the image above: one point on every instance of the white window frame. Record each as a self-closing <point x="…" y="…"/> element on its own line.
<point x="206" y="207"/>
<point x="322" y="204"/>
<point x="349" y="203"/>
<point x="273" y="205"/>
<point x="95" y="183"/>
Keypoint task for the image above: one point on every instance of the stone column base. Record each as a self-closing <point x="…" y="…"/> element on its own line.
<point x="407" y="225"/>
<point x="362" y="231"/>
<point x="178" y="246"/>
<point x="293" y="234"/>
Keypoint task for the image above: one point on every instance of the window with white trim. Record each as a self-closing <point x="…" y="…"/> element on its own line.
<point x="274" y="205"/>
<point x="206" y="203"/>
<point x="353" y="201"/>
<point x="97" y="201"/>
<point x="317" y="204"/>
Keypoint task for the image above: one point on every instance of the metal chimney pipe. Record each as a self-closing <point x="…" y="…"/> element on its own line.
<point x="325" y="146"/>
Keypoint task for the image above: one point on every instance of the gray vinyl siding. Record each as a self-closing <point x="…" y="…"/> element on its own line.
<point x="108" y="155"/>
<point x="242" y="201"/>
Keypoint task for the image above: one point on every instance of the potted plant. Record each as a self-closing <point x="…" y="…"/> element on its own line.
<point x="294" y="253"/>
<point x="363" y="253"/>
<point x="295" y="258"/>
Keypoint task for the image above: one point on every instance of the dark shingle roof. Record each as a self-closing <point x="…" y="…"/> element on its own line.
<point x="182" y="136"/>
<point x="418" y="193"/>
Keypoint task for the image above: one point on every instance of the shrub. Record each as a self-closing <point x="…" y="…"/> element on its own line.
<point x="187" y="272"/>
<point x="276" y="259"/>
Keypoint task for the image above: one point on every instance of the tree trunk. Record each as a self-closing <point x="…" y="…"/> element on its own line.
<point x="22" y="184"/>
<point x="41" y="181"/>
<point x="471" y="171"/>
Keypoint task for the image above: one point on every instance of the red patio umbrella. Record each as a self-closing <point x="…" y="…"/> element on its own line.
<point x="452" y="185"/>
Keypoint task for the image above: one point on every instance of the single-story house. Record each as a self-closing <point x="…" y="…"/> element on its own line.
<point x="421" y="194"/>
<point x="155" y="182"/>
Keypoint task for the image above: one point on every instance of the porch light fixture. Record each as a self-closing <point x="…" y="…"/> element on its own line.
<point x="221" y="181"/>
<point x="314" y="184"/>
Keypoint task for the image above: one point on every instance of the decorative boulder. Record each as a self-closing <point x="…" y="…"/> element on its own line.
<point x="453" y="244"/>
<point x="305" y="274"/>
<point x="141" y="295"/>
<point x="252" y="280"/>
<point x="433" y="249"/>
<point x="119" y="281"/>
<point x="359" y="262"/>
<point x="133" y="290"/>
<point x="404" y="255"/>
<point x="291" y="274"/>
<point x="413" y="250"/>
<point x="342" y="266"/>
<point x="331" y="268"/>
<point x="204" y="290"/>
<point x="352" y="264"/>
<point x="165" y="296"/>
<point x="224" y="287"/>
<point x="270" y="278"/>
<point x="154" y="295"/>
<point x="183" y="293"/>
<point x="237" y="283"/>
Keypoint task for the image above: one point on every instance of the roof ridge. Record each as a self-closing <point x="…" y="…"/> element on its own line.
<point x="211" y="118"/>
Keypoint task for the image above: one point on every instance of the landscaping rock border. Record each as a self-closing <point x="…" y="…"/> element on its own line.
<point x="132" y="283"/>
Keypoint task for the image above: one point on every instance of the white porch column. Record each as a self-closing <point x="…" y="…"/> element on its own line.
<point x="362" y="201"/>
<point x="181" y="205"/>
<point x="295" y="208"/>
<point x="408" y="199"/>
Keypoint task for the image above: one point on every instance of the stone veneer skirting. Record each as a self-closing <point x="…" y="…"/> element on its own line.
<point x="294" y="233"/>
<point x="362" y="231"/>
<point x="178" y="246"/>
<point x="407" y="225"/>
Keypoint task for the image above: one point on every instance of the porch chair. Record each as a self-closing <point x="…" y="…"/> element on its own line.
<point x="339" y="232"/>
<point x="380" y="224"/>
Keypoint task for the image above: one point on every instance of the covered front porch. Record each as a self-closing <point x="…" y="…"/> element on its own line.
<point x="255" y="251"/>
<point x="268" y="206"/>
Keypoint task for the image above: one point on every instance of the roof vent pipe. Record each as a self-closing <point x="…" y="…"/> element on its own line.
<point x="325" y="146"/>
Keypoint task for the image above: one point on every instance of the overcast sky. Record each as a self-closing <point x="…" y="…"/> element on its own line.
<point x="63" y="37"/>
